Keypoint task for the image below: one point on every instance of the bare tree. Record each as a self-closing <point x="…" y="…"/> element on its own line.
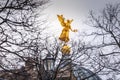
<point x="106" y="42"/>
<point x="18" y="30"/>
<point x="64" y="64"/>
<point x="21" y="41"/>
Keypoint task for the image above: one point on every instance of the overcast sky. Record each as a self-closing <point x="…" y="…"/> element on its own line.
<point x="73" y="9"/>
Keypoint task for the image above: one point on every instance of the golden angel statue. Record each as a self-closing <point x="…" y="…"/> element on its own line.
<point x="64" y="36"/>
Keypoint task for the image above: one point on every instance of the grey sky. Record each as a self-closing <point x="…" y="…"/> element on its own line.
<point x="76" y="7"/>
<point x="73" y="9"/>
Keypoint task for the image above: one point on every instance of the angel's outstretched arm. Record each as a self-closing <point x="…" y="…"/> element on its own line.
<point x="73" y="30"/>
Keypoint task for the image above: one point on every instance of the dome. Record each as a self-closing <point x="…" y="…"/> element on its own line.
<point x="84" y="74"/>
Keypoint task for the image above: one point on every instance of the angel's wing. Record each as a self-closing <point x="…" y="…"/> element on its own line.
<point x="61" y="20"/>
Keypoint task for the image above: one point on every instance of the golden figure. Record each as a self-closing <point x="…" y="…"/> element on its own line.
<point x="66" y="27"/>
<point x="64" y="36"/>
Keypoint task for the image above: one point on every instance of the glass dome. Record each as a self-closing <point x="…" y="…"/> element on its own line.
<point x="85" y="74"/>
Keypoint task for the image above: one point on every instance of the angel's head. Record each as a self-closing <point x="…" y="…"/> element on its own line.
<point x="69" y="21"/>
